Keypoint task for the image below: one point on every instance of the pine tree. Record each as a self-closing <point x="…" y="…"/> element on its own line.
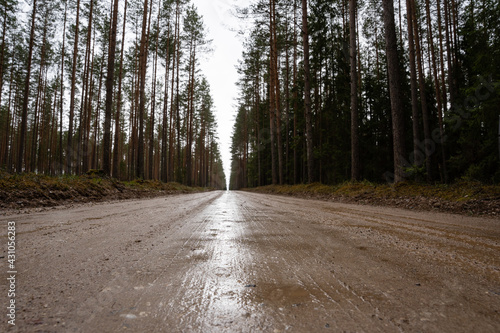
<point x="395" y="90"/>
<point x="106" y="153"/>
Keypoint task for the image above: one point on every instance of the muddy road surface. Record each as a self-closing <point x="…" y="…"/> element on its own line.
<point x="246" y="262"/>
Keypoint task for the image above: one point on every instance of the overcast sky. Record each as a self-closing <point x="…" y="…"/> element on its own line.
<point x="220" y="66"/>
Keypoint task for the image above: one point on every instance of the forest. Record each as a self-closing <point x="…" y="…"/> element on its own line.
<point x="384" y="91"/>
<point x="107" y="85"/>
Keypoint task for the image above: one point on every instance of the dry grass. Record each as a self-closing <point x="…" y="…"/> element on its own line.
<point x="461" y="197"/>
<point x="35" y="190"/>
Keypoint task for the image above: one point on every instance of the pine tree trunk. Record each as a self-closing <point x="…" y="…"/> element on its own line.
<point x="24" y="116"/>
<point x="151" y="173"/>
<point x="417" y="160"/>
<point x="395" y="90"/>
<point x="4" y="140"/>
<point x="61" y="106"/>
<point x="40" y="92"/>
<point x="355" y="167"/>
<point x="106" y="144"/>
<point x="69" y="146"/>
<point x="87" y="100"/>
<point x="142" y="92"/>
<point x="443" y="89"/>
<point x="117" y="145"/>
<point x="437" y="87"/>
<point x="423" y="99"/>
<point x="272" y="96"/>
<point x="307" y="95"/>
<point x="277" y="91"/>
<point x="177" y="100"/>
<point x="175" y="70"/>
<point x="165" y="127"/>
<point x="295" y="96"/>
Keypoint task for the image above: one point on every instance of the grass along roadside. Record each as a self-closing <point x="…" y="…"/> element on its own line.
<point x="35" y="190"/>
<point x="464" y="197"/>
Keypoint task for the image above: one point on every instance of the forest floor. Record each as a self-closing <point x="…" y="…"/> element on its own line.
<point x="465" y="197"/>
<point x="21" y="192"/>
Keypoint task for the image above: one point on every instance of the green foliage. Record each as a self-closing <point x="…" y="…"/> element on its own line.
<point x="469" y="148"/>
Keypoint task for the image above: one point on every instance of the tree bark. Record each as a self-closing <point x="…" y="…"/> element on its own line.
<point x="143" y="56"/>
<point x="355" y="167"/>
<point x="423" y="99"/>
<point x="395" y="90"/>
<point x="69" y="146"/>
<point x="116" y="149"/>
<point x="272" y="96"/>
<point x="437" y="88"/>
<point x="151" y="165"/>
<point x="417" y="161"/>
<point x="61" y="106"/>
<point x="24" y="116"/>
<point x="307" y="95"/>
<point x="106" y="144"/>
<point x="165" y="127"/>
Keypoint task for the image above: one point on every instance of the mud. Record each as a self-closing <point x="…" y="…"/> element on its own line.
<point x="247" y="262"/>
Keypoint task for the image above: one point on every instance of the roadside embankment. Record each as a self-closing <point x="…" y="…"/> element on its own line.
<point x="34" y="190"/>
<point x="465" y="197"/>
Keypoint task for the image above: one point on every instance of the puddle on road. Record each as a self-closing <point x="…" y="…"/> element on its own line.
<point x="281" y="295"/>
<point x="224" y="288"/>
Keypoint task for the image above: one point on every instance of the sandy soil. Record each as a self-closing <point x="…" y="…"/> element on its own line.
<point x="247" y="262"/>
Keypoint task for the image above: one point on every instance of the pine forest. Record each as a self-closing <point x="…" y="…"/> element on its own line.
<point x="329" y="91"/>
<point x="384" y="91"/>
<point x="107" y="85"/>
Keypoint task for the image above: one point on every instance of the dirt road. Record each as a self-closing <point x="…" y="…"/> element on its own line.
<point x="245" y="262"/>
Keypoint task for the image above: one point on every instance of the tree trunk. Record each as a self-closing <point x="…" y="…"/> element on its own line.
<point x="165" y="132"/>
<point x="4" y="140"/>
<point x="295" y="96"/>
<point x="276" y="88"/>
<point x="175" y="71"/>
<point x="395" y="90"/>
<point x="61" y="106"/>
<point x="69" y="146"/>
<point x="272" y="96"/>
<point x="307" y="95"/>
<point x="417" y="160"/>
<point x="106" y="144"/>
<point x="177" y="99"/>
<point x="143" y="57"/>
<point x="355" y="167"/>
<point x="151" y="159"/>
<point x="87" y="100"/>
<point x="190" y="112"/>
<point x="24" y="117"/>
<point x="437" y="87"/>
<point x="423" y="99"/>
<point x="443" y="89"/>
<point x="116" y="149"/>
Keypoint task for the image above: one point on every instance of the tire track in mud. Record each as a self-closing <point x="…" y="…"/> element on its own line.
<point x="122" y="297"/>
<point x="349" y="311"/>
<point x="245" y="262"/>
<point x="440" y="282"/>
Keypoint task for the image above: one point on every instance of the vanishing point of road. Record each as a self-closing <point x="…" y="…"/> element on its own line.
<point x="246" y="262"/>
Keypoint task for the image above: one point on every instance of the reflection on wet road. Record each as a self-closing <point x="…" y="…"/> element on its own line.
<point x="232" y="268"/>
<point x="245" y="262"/>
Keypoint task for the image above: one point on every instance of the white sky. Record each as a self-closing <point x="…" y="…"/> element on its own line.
<point x="220" y="66"/>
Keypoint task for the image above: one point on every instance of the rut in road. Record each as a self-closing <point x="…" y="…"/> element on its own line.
<point x="245" y="262"/>
<point x="233" y="268"/>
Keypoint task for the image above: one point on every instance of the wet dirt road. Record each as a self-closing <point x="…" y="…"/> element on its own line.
<point x="246" y="262"/>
